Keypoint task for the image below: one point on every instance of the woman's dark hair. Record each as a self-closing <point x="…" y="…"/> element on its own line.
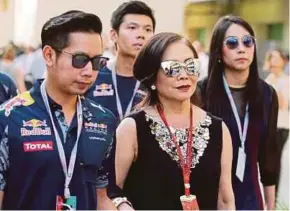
<point x="148" y="61"/>
<point x="216" y="66"/>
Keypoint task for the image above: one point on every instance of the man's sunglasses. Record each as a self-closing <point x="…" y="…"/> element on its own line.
<point x="232" y="42"/>
<point x="80" y="60"/>
<point x="173" y="68"/>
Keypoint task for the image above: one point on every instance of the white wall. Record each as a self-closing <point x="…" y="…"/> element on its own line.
<point x="168" y="13"/>
<point x="24" y="21"/>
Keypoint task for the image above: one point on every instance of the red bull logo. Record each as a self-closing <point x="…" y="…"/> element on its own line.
<point x="104" y="87"/>
<point x="100" y="128"/>
<point x="104" y="90"/>
<point x="95" y="125"/>
<point x="34" y="123"/>
<point x="24" y="99"/>
<point x="35" y="127"/>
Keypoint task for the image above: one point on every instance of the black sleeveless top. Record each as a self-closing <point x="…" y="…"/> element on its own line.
<point x="155" y="179"/>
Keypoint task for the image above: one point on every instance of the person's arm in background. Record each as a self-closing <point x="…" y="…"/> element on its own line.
<point x="226" y="199"/>
<point x="20" y="83"/>
<point x="270" y="196"/>
<point x="7" y="88"/>
<point x="269" y="154"/>
<point x="12" y="89"/>
<point x="285" y="91"/>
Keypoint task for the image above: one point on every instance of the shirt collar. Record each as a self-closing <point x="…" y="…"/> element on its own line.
<point x="35" y="91"/>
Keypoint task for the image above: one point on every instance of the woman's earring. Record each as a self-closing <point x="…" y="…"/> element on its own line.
<point x="219" y="61"/>
<point x="153" y="87"/>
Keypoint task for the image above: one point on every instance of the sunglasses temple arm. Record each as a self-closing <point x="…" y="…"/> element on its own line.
<point x="146" y="78"/>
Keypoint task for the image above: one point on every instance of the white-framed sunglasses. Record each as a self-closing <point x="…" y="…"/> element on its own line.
<point x="173" y="68"/>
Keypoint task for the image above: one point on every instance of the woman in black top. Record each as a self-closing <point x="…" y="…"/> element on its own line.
<point x="155" y="144"/>
<point x="234" y="92"/>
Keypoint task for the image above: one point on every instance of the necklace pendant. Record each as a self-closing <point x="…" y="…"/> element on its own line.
<point x="189" y="202"/>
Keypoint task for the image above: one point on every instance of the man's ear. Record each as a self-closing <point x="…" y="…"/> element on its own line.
<point x="114" y="35"/>
<point x="49" y="55"/>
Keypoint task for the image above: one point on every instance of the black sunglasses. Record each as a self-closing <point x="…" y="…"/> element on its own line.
<point x="173" y="68"/>
<point x="232" y="42"/>
<point x="80" y="60"/>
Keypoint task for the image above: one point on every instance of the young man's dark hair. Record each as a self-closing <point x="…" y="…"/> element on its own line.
<point x="133" y="24"/>
<point x="55" y="32"/>
<point x="131" y="7"/>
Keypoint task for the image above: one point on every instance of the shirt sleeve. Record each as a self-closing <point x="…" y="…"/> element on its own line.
<point x="269" y="158"/>
<point x="4" y="156"/>
<point x="106" y="167"/>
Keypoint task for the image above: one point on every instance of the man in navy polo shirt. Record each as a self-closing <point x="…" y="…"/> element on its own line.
<point x="54" y="143"/>
<point x="116" y="88"/>
<point x="7" y="88"/>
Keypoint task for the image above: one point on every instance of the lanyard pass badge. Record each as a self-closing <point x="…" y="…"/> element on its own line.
<point x="66" y="204"/>
<point x="241" y="164"/>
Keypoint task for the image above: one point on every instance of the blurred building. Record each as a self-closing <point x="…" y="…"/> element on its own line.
<point x="269" y="18"/>
<point x="7" y="21"/>
<point x="3" y="5"/>
<point x="25" y="18"/>
<point x="22" y="19"/>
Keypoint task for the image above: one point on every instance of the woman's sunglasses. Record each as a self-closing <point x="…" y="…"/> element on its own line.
<point x="80" y="60"/>
<point x="232" y="42"/>
<point x="173" y="68"/>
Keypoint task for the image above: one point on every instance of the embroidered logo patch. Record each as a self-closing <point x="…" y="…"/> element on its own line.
<point x="24" y="99"/>
<point x="37" y="146"/>
<point x="104" y="90"/>
<point x="35" y="127"/>
<point x="96" y="127"/>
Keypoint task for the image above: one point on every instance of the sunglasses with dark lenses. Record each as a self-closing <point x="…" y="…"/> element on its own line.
<point x="80" y="60"/>
<point x="232" y="42"/>
<point x="173" y="68"/>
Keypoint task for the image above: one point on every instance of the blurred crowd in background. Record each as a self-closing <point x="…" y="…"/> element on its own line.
<point x="25" y="64"/>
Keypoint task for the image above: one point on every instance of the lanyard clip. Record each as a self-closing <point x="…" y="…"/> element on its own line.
<point x="66" y="192"/>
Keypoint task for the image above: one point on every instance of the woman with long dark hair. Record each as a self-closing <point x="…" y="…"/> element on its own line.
<point x="234" y="92"/>
<point x="171" y="154"/>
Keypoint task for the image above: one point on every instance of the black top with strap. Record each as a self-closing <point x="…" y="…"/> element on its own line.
<point x="260" y="145"/>
<point x="155" y="180"/>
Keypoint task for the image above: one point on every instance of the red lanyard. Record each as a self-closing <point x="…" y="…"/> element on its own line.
<point x="185" y="163"/>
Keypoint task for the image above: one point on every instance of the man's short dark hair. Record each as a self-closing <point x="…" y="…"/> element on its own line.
<point x="55" y="32"/>
<point x="131" y="7"/>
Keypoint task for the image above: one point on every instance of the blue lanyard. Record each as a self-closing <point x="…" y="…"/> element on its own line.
<point x="242" y="133"/>
<point x="112" y="66"/>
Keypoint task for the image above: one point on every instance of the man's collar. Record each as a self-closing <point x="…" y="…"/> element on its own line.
<point x="35" y="91"/>
<point x="53" y="105"/>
